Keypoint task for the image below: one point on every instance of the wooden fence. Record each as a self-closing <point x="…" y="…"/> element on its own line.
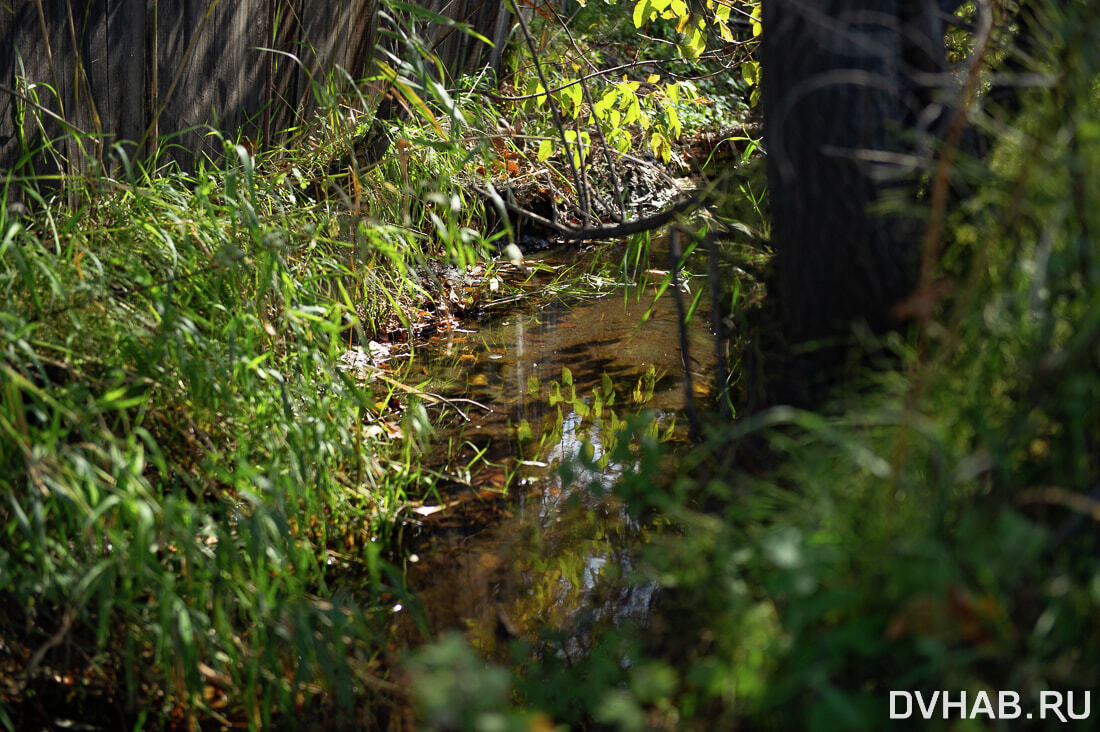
<point x="139" y="70"/>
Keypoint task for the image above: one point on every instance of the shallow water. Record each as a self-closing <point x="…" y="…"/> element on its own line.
<point x="547" y="552"/>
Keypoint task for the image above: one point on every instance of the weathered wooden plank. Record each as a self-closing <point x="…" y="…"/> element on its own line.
<point x="232" y="37"/>
<point x="9" y="142"/>
<point x="193" y="76"/>
<point x="25" y="51"/>
<point x="361" y="37"/>
<point x="459" y="51"/>
<point x="88" y="35"/>
<point x="43" y="69"/>
<point x="135" y="69"/>
<point x="255" y="31"/>
<point x="124" y="108"/>
<point x="283" y="83"/>
<point x="316" y="46"/>
<point x="72" y="83"/>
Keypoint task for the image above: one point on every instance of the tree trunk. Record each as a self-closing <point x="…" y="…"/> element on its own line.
<point x="843" y="108"/>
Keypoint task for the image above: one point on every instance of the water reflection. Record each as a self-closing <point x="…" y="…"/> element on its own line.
<point x="553" y="549"/>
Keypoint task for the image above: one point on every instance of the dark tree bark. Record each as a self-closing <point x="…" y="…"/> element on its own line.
<point x="849" y="89"/>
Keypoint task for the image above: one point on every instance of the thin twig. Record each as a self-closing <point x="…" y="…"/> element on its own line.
<point x="53" y="641"/>
<point x="582" y="79"/>
<point x="718" y="329"/>
<point x="920" y="305"/>
<point x="925" y="296"/>
<point x="695" y="430"/>
<point x="559" y="125"/>
<point x="430" y="396"/>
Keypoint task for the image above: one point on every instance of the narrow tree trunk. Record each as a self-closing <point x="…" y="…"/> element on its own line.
<point x="842" y="106"/>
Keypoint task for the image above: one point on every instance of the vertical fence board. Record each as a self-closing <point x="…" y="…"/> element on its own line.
<point x="319" y="32"/>
<point x="125" y="112"/>
<point x="88" y="34"/>
<point x="285" y="96"/>
<point x="361" y="38"/>
<point x="47" y="60"/>
<point x="9" y="142"/>
<point x="251" y="34"/>
<point x="192" y="92"/>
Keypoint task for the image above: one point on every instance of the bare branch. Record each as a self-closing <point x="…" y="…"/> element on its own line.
<point x="615" y="231"/>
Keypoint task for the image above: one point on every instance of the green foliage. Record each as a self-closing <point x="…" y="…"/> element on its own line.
<point x="641" y="106"/>
<point x="932" y="528"/>
<point x="192" y="493"/>
<point x="458" y="690"/>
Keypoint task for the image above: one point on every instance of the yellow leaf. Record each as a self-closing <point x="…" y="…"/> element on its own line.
<point x="413" y="97"/>
<point x="696" y="44"/>
<point x="546" y="148"/>
<point x="750" y="72"/>
<point x="417" y="102"/>
<point x="653" y="78"/>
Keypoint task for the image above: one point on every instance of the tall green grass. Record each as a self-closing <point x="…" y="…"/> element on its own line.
<point x="195" y="515"/>
<point x="196" y="507"/>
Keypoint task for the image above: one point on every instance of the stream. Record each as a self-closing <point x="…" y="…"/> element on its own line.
<point x="501" y="563"/>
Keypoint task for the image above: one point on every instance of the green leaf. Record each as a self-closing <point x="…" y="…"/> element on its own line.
<point x="750" y="72"/>
<point x="660" y="146"/>
<point x="674" y="127"/>
<point x="724" y="31"/>
<point x="607" y="101"/>
<point x="696" y="43"/>
<point x="524" y="431"/>
<point x="546" y="149"/>
<point x="574" y="94"/>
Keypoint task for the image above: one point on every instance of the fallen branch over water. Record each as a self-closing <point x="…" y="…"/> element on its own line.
<point x="429" y="396"/>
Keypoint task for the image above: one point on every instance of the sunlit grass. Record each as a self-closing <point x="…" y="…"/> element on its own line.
<point x="194" y="498"/>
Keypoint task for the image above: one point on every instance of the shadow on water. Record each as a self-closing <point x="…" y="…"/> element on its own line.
<point x="548" y="552"/>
